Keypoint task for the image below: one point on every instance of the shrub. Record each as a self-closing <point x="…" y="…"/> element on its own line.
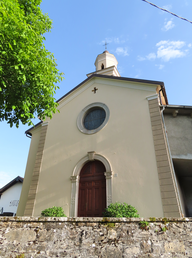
<point x="120" y="210"/>
<point x="53" y="212"/>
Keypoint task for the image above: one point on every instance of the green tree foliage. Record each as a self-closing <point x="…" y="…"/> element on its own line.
<point x="28" y="72"/>
<point x="120" y="210"/>
<point x="53" y="212"/>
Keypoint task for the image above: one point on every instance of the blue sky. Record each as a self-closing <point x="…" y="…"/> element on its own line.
<point x="148" y="44"/>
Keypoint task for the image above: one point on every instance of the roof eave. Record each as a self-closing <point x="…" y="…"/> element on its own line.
<point x="28" y="131"/>
<point x="113" y="78"/>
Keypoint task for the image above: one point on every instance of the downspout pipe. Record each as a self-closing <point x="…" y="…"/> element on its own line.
<point x="160" y="97"/>
<point x="169" y="150"/>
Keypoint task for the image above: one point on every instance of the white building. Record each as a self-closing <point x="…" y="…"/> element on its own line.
<point x="9" y="197"/>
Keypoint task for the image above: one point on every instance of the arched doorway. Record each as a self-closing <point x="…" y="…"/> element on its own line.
<point x="92" y="190"/>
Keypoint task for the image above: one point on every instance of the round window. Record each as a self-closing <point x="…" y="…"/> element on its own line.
<point x="93" y="118"/>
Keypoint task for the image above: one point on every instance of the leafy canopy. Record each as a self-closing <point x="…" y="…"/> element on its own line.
<point x="28" y="71"/>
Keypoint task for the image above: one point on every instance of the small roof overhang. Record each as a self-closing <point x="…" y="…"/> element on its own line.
<point x="112" y="71"/>
<point x="13" y="182"/>
<point x="177" y="109"/>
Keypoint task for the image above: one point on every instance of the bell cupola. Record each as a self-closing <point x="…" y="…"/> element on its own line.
<point x="106" y="64"/>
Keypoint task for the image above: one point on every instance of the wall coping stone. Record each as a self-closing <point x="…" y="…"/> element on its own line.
<point x="91" y="219"/>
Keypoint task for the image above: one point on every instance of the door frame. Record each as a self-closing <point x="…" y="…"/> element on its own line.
<point x="76" y="176"/>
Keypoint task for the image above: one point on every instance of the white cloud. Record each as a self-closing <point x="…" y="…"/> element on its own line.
<point x="118" y="41"/>
<point x="170" y="49"/>
<point x="5" y="178"/>
<point x="168" y="25"/>
<point x="120" y="69"/>
<point x="136" y="76"/>
<point x="107" y="40"/>
<point x="140" y="58"/>
<point x="167" y="50"/>
<point x="151" y="56"/>
<point x="167" y="7"/>
<point x="160" y="66"/>
<point x="121" y="51"/>
<point x="115" y="40"/>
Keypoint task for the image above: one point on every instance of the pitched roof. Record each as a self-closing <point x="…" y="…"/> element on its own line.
<point x="115" y="78"/>
<point x="13" y="182"/>
<point x="108" y="77"/>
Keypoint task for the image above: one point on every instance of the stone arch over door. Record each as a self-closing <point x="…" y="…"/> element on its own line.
<point x="75" y="180"/>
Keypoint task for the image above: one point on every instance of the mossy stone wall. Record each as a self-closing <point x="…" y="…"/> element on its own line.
<point x="27" y="237"/>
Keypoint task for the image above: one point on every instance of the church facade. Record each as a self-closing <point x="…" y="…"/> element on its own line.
<point x="108" y="144"/>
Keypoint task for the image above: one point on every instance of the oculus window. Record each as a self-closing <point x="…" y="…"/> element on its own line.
<point x="93" y="118"/>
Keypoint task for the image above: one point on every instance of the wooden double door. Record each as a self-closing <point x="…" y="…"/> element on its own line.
<point x="92" y="190"/>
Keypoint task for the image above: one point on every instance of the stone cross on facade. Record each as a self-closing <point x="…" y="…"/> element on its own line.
<point x="95" y="90"/>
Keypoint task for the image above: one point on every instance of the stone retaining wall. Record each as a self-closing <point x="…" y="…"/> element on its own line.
<point x="25" y="237"/>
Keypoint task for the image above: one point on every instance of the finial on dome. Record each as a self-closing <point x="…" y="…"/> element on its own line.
<point x="105" y="46"/>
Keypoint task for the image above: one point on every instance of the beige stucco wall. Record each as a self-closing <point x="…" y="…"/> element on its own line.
<point x="29" y="171"/>
<point x="126" y="142"/>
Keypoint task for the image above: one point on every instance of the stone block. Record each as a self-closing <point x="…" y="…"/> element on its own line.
<point x="174" y="246"/>
<point x="112" y="234"/>
<point x="21" y="235"/>
<point x="146" y="246"/>
<point x="132" y="250"/>
<point x="111" y="252"/>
